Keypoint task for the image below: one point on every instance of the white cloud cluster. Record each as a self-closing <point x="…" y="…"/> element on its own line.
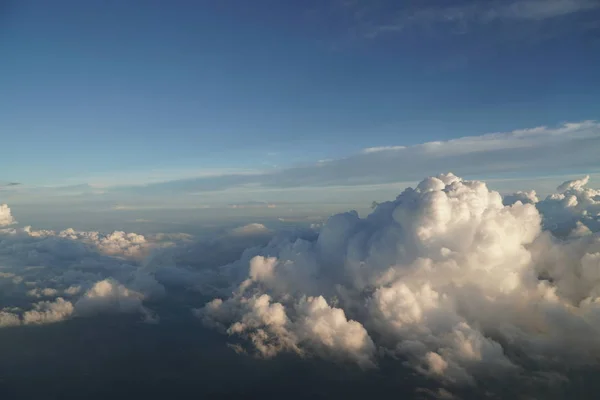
<point x="73" y="273"/>
<point x="574" y="208"/>
<point x="449" y="277"/>
<point x="251" y="229"/>
<point x="315" y="325"/>
<point x="6" y="217"/>
<point x="121" y="244"/>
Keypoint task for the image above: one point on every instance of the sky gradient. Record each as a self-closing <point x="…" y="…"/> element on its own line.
<point x="226" y="101"/>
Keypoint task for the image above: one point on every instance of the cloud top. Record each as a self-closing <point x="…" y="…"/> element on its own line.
<point x="5" y="216"/>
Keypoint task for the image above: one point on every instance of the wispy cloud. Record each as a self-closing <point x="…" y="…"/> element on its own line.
<point x="529" y="151"/>
<point x="382" y="148"/>
<point x="525" y="154"/>
<point x="540" y="9"/>
<point x="463" y="17"/>
<point x="154" y="176"/>
<point x="4" y="185"/>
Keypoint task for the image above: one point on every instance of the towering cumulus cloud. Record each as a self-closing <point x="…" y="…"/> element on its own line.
<point x="448" y="278"/>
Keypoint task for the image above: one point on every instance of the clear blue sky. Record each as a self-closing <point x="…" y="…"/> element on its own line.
<point x="101" y="90"/>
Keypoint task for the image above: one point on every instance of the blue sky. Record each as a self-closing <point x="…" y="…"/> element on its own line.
<point x="200" y="98"/>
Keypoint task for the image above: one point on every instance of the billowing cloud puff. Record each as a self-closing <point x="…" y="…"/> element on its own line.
<point x="108" y="296"/>
<point x="525" y="197"/>
<point x="573" y="203"/>
<point x="5" y="216"/>
<point x="449" y="277"/>
<point x="48" y="312"/>
<point x="315" y="326"/>
<point x="9" y="319"/>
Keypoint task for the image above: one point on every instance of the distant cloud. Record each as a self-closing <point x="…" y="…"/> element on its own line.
<point x="76" y="273"/>
<point x="132" y="207"/>
<point x="6" y="217"/>
<point x="540" y="9"/>
<point x="382" y="148"/>
<point x="526" y="154"/>
<point x="467" y="15"/>
<point x="535" y="151"/>
<point x="251" y="229"/>
<point x="253" y="204"/>
<point x="8" y="185"/>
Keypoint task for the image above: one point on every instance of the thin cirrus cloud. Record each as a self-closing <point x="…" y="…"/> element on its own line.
<point x="471" y="14"/>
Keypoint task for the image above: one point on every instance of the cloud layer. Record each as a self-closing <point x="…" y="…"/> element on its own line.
<point x="529" y="151"/>
<point x="525" y="154"/>
<point x="449" y="279"/>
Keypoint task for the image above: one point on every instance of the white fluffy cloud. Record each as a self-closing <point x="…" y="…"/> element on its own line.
<point x="110" y="296"/>
<point x="251" y="229"/>
<point x="46" y="312"/>
<point x="573" y="203"/>
<point x="449" y="276"/>
<point x="314" y="326"/>
<point x="5" y="216"/>
<point x="74" y="274"/>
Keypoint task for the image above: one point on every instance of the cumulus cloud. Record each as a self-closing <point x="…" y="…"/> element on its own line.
<point x="250" y="229"/>
<point x="46" y="312"/>
<point x="9" y="319"/>
<point x="110" y="296"/>
<point x="525" y="197"/>
<point x="48" y="276"/>
<point x="448" y="278"/>
<point x="75" y="274"/>
<point x="5" y="216"/>
<point x="575" y="207"/>
<point x="315" y="326"/>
